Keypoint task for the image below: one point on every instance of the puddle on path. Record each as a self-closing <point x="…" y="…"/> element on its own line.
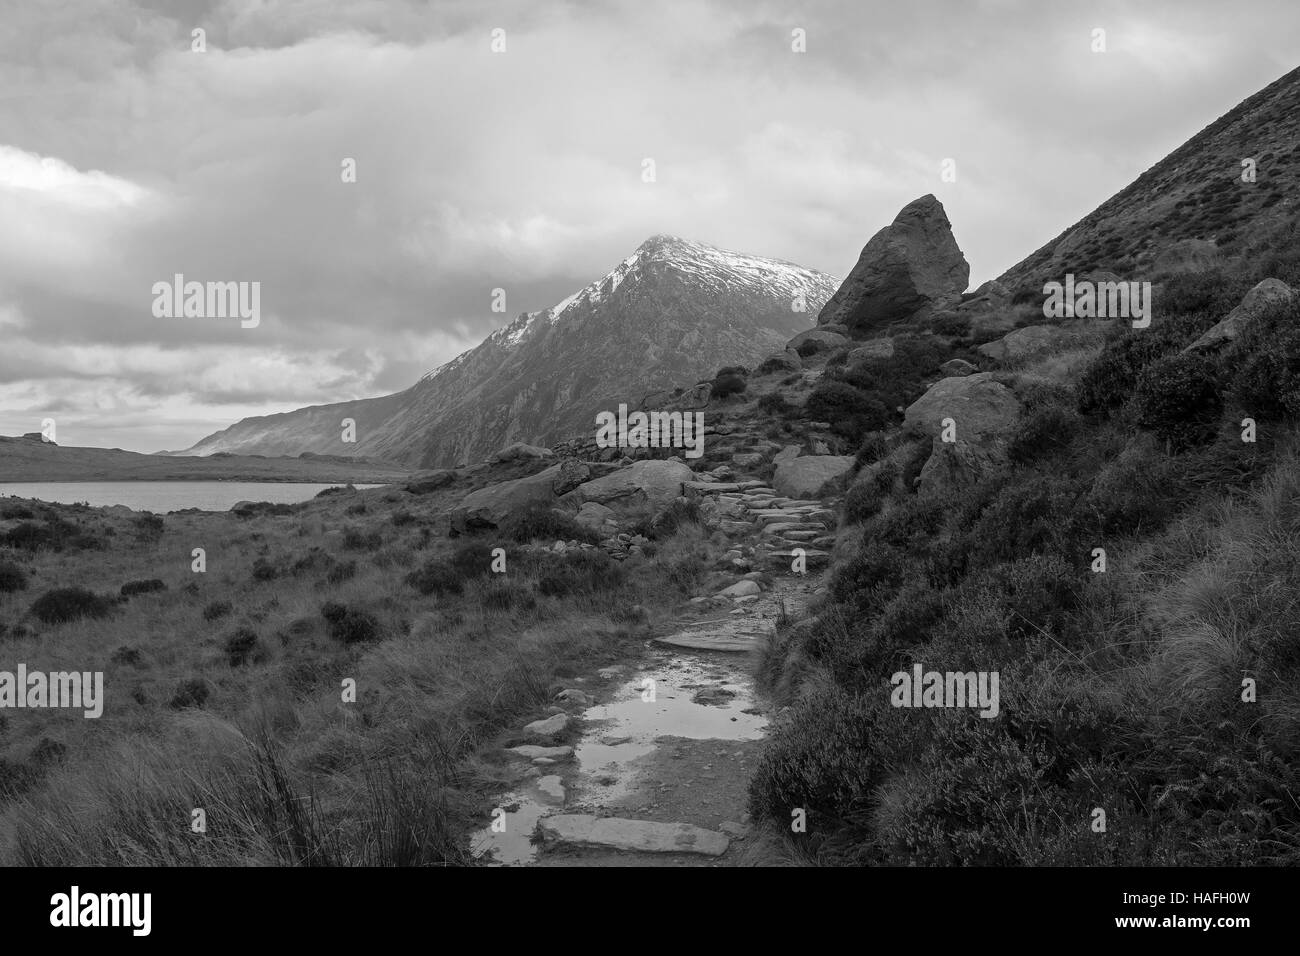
<point x="619" y="735"/>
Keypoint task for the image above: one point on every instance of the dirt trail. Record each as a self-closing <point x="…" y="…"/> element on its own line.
<point x="668" y="741"/>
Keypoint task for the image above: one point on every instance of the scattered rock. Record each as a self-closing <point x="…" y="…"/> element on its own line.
<point x="535" y="752"/>
<point x="741" y="589"/>
<point x="520" y="450"/>
<point x="548" y="727"/>
<point x="1029" y="341"/>
<point x="809" y="476"/>
<point x="958" y="367"/>
<point x="979" y="406"/>
<point x="645" y="836"/>
<point x="1263" y="295"/>
<point x="874" y="349"/>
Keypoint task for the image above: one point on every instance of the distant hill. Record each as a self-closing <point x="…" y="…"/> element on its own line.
<point x="672" y="312"/>
<point x="30" y="459"/>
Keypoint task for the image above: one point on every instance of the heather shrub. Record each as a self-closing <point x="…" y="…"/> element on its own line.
<point x="350" y="625"/>
<point x="216" y="610"/>
<point x="726" y="385"/>
<point x="12" y="577"/>
<point x="354" y="539"/>
<point x="1177" y="398"/>
<point x="142" y="587"/>
<point x="543" y="523"/>
<point x="850" y="411"/>
<point x="70" y="604"/>
<point x="239" y="646"/>
<point x="191" y="692"/>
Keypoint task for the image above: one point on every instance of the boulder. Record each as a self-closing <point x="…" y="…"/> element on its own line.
<point x="1031" y="340"/>
<point x="823" y="338"/>
<point x="490" y="507"/>
<point x="958" y="367"/>
<point x="955" y="467"/>
<point x="646" y="836"/>
<point x="547" y="727"/>
<point x="649" y="485"/>
<point x="911" y="267"/>
<point x="1265" y="294"/>
<point x="741" y="589"/>
<point x="787" y="453"/>
<point x="572" y="473"/>
<point x="429" y="481"/>
<point x="809" y="475"/>
<point x="520" y="450"/>
<point x="874" y="349"/>
<point x="980" y="407"/>
<point x="787" y="361"/>
<point x="597" y="518"/>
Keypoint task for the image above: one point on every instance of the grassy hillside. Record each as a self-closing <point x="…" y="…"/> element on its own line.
<point x="1122" y="690"/>
<point x="224" y="688"/>
<point x="1195" y="195"/>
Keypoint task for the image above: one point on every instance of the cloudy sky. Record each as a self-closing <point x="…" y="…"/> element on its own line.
<point x="127" y="157"/>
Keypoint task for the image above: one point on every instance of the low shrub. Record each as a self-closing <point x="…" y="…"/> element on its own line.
<point x="142" y="587"/>
<point x="350" y="625"/>
<point x="216" y="610"/>
<point x="12" y="577"/>
<point x="239" y="646"/>
<point x="70" y="604"/>
<point x="190" y="692"/>
<point x="1177" y="398"/>
<point x="543" y="523"/>
<point x="354" y="539"/>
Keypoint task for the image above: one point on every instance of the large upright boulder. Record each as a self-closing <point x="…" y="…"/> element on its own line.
<point x="910" y="268"/>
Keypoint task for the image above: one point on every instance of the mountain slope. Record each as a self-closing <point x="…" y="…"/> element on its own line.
<point x="1193" y="197"/>
<point x="673" y="311"/>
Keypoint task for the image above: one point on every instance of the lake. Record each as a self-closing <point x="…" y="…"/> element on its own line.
<point x="164" y="496"/>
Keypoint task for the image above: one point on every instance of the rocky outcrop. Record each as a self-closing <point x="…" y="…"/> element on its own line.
<point x="954" y="467"/>
<point x="786" y="361"/>
<point x="490" y="507"/>
<point x="1029" y="341"/>
<point x="875" y="349"/>
<point x="977" y="404"/>
<point x="1267" y="293"/>
<point x="430" y="481"/>
<point x="910" y="268"/>
<point x="643" y="486"/>
<point x="809" y="476"/>
<point x="572" y="473"/>
<point x="520" y="450"/>
<point x="823" y="338"/>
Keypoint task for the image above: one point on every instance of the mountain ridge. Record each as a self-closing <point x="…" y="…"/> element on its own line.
<point x="673" y="309"/>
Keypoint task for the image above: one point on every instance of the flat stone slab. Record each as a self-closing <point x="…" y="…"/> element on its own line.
<point x="642" y="836"/>
<point x="533" y="751"/>
<point x="549" y="726"/>
<point x="728" y="642"/>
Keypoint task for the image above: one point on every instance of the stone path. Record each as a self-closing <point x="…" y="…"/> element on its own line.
<point x="660" y="776"/>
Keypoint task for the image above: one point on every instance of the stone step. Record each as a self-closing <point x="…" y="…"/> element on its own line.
<point x="642" y="836"/>
<point x="812" y="556"/>
<point x="723" y="641"/>
<point x="533" y="751"/>
<point x="778" y="529"/>
<point x="799" y="537"/>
